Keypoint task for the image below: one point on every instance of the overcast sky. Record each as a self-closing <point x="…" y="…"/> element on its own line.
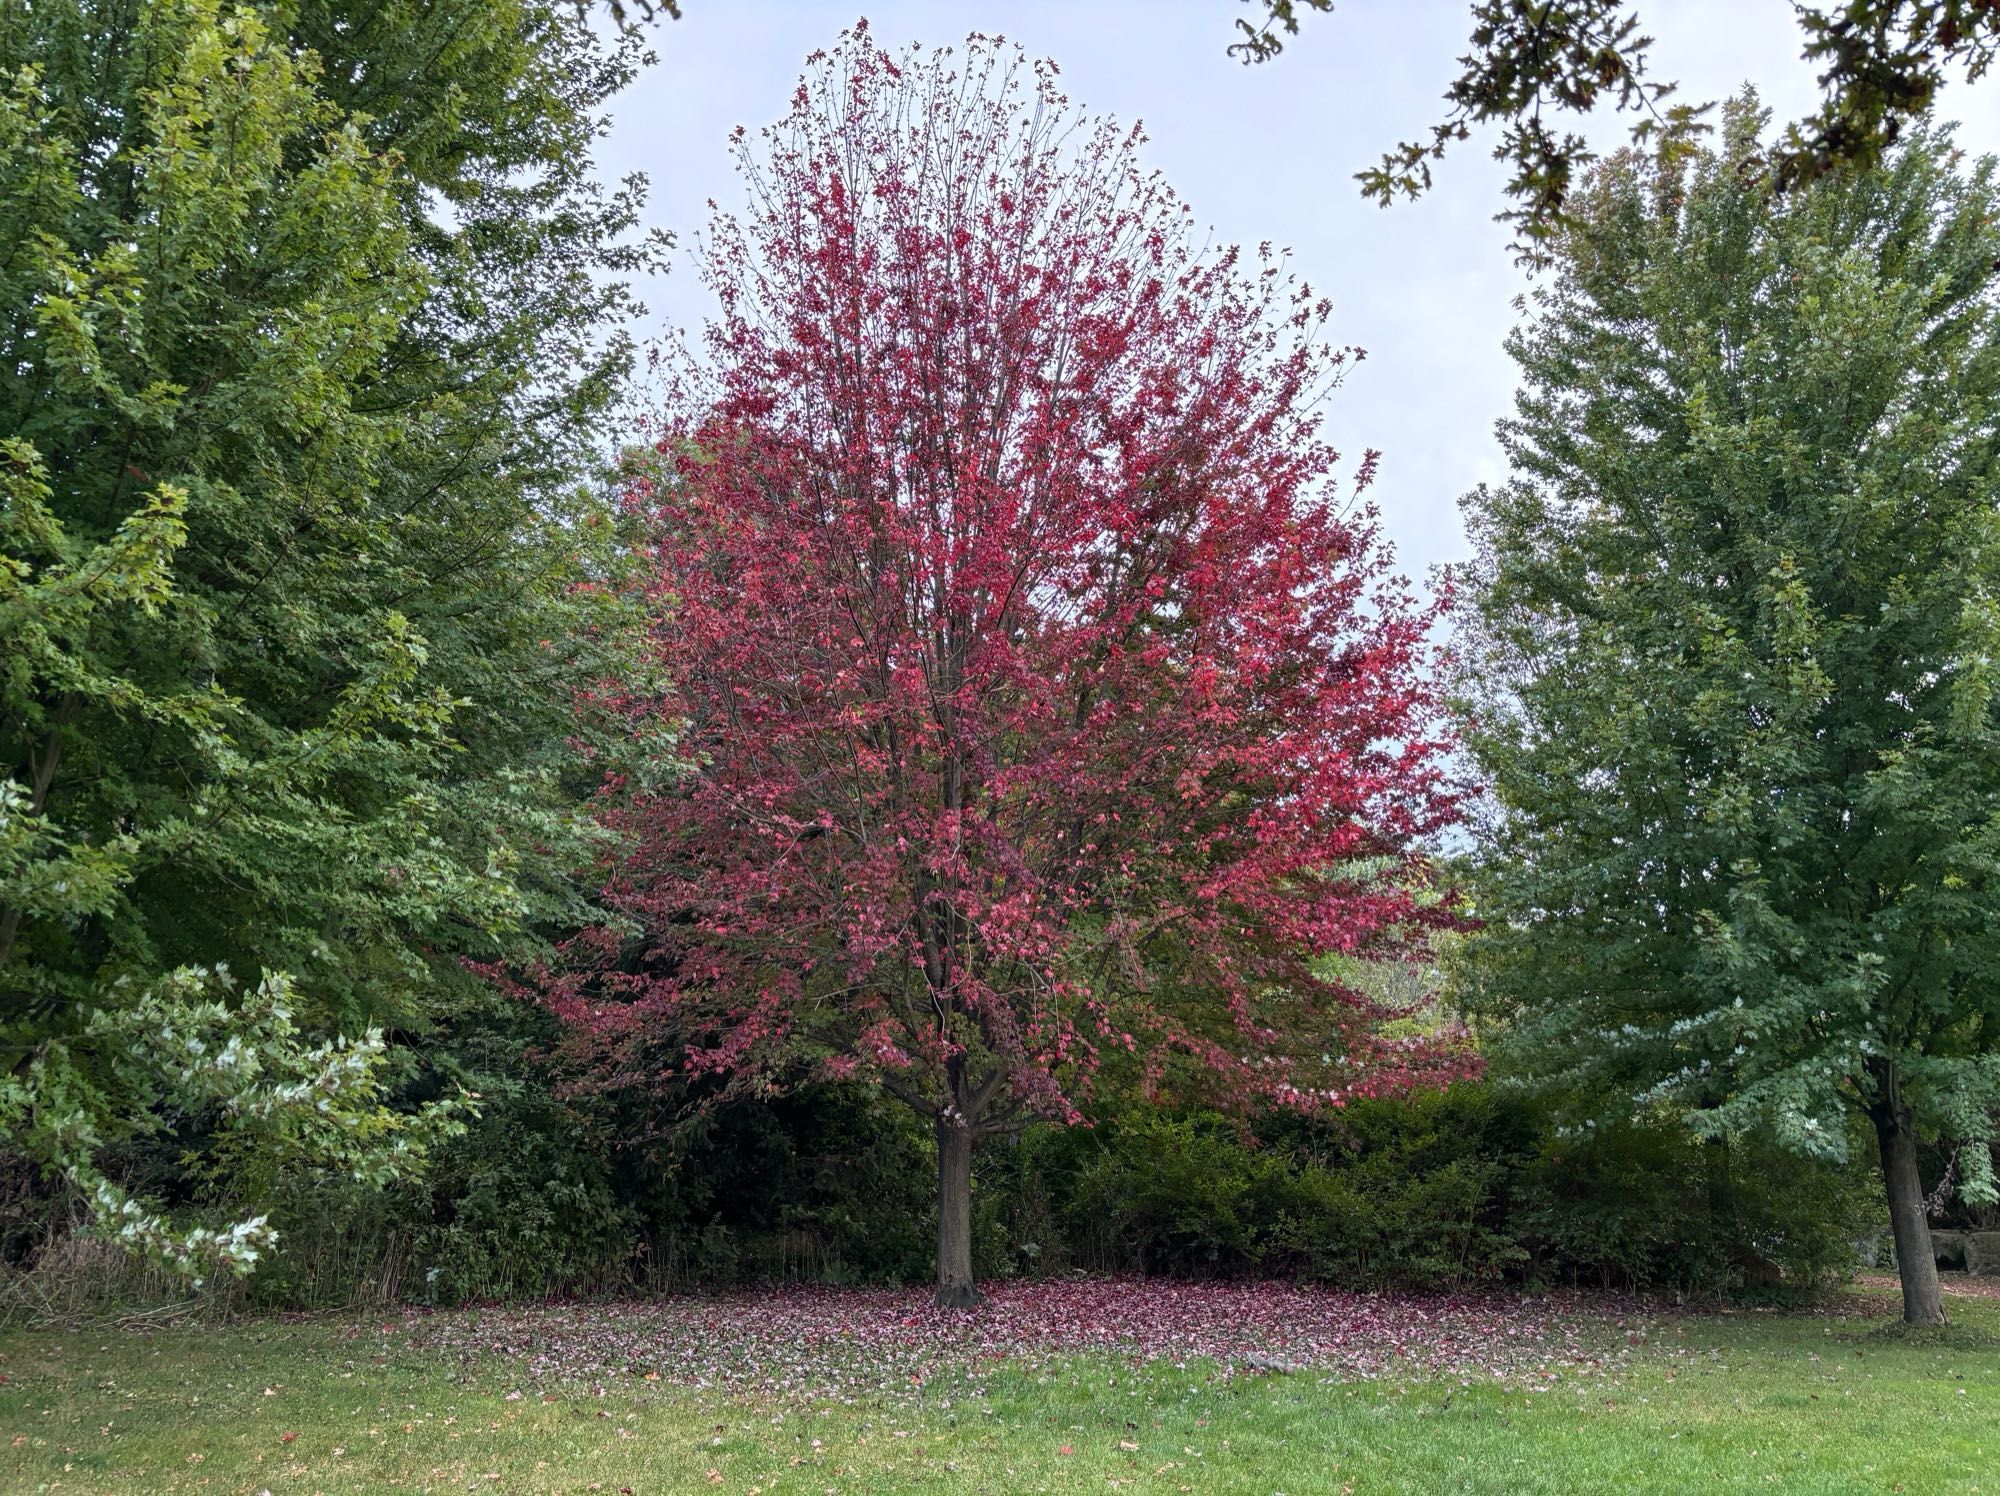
<point x="1265" y="152"/>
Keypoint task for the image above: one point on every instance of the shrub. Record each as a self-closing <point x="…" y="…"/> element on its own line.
<point x="1645" y="1204"/>
<point x="1437" y="1190"/>
<point x="832" y="1185"/>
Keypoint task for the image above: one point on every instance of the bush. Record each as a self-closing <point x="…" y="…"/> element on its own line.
<point x="833" y="1185"/>
<point x="525" y="1204"/>
<point x="1166" y="1194"/>
<point x="1647" y="1205"/>
<point x="1414" y="1192"/>
<point x="1437" y="1190"/>
<point x="1407" y="1193"/>
<point x="524" y="1208"/>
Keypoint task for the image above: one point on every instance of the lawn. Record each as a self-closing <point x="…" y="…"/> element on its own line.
<point x="1066" y="1387"/>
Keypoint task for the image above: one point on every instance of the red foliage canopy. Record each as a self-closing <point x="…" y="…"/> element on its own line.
<point x="1049" y="717"/>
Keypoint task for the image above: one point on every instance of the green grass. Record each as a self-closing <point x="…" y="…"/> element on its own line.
<point x="1740" y="1402"/>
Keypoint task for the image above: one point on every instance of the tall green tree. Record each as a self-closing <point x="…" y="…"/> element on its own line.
<point x="307" y="318"/>
<point x="1735" y="636"/>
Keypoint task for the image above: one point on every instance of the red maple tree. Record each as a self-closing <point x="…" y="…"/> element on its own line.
<point x="1050" y="716"/>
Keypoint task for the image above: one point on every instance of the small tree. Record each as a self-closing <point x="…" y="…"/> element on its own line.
<point x="1738" y="622"/>
<point x="1048" y="719"/>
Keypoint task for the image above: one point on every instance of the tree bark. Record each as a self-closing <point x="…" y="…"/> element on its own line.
<point x="955" y="1288"/>
<point x="1916" y="1263"/>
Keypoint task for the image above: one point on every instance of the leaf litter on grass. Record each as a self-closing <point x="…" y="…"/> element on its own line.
<point x="841" y="1343"/>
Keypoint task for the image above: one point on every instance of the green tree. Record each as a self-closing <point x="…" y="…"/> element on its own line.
<point x="1734" y="647"/>
<point x="306" y="320"/>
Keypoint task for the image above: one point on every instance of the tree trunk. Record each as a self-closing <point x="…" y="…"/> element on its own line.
<point x="1923" y="1304"/>
<point x="955" y="1288"/>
